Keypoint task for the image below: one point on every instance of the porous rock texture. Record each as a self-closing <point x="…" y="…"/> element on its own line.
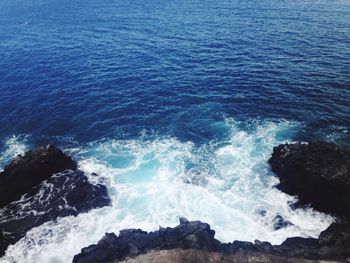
<point x="333" y="244"/>
<point x="25" y="172"/>
<point x="318" y="173"/>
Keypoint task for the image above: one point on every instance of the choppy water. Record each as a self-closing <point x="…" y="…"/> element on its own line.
<point x="176" y="105"/>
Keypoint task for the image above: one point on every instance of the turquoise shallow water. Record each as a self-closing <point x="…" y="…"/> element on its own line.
<point x="154" y="180"/>
<point x="176" y="105"/>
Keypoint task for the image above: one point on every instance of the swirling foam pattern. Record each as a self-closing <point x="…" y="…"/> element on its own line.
<point x="175" y="104"/>
<point x="152" y="182"/>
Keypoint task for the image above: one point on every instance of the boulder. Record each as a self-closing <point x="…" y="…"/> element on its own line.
<point x="42" y="186"/>
<point x="25" y="172"/>
<point x="63" y="194"/>
<point x="133" y="242"/>
<point x="318" y="173"/>
<point x="279" y="222"/>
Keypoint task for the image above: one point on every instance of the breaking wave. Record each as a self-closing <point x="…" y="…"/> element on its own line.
<point x="153" y="181"/>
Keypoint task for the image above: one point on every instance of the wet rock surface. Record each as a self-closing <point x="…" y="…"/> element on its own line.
<point x="25" y="172"/>
<point x="318" y="173"/>
<point x="279" y="222"/>
<point x="132" y="242"/>
<point x="197" y="235"/>
<point x="60" y="194"/>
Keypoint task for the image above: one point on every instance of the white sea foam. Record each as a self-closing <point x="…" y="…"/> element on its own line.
<point x="227" y="184"/>
<point x="13" y="146"/>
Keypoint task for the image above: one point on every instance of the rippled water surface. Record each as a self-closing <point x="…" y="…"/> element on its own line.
<point x="176" y="105"/>
<point x="91" y="69"/>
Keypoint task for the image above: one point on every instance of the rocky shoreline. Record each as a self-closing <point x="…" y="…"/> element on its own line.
<point x="318" y="173"/>
<point x="45" y="180"/>
<point x="332" y="244"/>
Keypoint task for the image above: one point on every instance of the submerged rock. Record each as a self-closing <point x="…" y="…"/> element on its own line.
<point x="25" y="172"/>
<point x="333" y="244"/>
<point x="279" y="222"/>
<point x="59" y="194"/>
<point x="318" y="173"/>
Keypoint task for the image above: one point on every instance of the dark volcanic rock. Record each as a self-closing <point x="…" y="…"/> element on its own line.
<point x="279" y="222"/>
<point x="25" y="172"/>
<point x="61" y="194"/>
<point x="132" y="242"/>
<point x="318" y="173"/>
<point x="3" y="243"/>
<point x="335" y="241"/>
<point x="333" y="244"/>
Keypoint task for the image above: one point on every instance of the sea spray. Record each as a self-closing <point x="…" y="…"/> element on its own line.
<point x="12" y="147"/>
<point x="153" y="181"/>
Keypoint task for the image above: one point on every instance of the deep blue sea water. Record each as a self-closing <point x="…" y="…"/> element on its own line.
<point x="93" y="69"/>
<point x="152" y="94"/>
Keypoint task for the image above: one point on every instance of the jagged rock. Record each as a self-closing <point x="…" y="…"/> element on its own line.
<point x="61" y="194"/>
<point x="3" y="243"/>
<point x="25" y="172"/>
<point x="335" y="240"/>
<point x="279" y="222"/>
<point x="333" y="244"/>
<point x="318" y="173"/>
<point x="298" y="247"/>
<point x="262" y="212"/>
<point x="264" y="246"/>
<point x="132" y="242"/>
<point x="183" y="220"/>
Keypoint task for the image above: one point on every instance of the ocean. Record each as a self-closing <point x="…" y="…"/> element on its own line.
<point x="176" y="105"/>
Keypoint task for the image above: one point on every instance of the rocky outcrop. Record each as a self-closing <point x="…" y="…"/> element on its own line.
<point x="132" y="242"/>
<point x="318" y="173"/>
<point x="332" y="244"/>
<point x="62" y="191"/>
<point x="3" y="243"/>
<point x="279" y="222"/>
<point x="25" y="172"/>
